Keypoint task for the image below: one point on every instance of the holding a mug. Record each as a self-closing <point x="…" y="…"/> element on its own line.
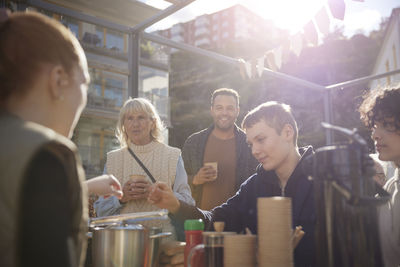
<point x="143" y="159"/>
<point x="136" y="188"/>
<point x="207" y="173"/>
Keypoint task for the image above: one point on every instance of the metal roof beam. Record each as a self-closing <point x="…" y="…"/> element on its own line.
<point x="343" y="85"/>
<point x="228" y="60"/>
<point x="160" y="16"/>
<point x="173" y="1"/>
<point x="78" y="15"/>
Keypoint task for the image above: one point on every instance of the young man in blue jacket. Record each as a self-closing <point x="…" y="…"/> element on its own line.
<point x="271" y="132"/>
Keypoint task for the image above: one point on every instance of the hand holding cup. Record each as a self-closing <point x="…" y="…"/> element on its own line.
<point x="207" y="173"/>
<point x="139" y="186"/>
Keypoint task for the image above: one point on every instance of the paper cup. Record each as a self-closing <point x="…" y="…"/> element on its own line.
<point x="137" y="177"/>
<point x="214" y="165"/>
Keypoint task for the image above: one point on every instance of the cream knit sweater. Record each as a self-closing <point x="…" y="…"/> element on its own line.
<point x="161" y="160"/>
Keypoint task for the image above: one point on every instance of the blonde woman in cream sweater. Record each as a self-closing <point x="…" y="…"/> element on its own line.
<point x="139" y="130"/>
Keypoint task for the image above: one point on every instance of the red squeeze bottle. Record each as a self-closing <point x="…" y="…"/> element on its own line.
<point x="194" y="236"/>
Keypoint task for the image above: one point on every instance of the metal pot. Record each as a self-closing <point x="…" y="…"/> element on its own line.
<point x="124" y="245"/>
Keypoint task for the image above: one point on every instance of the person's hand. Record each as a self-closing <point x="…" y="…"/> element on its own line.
<point x="140" y="187"/>
<point x="204" y="175"/>
<point x="163" y="197"/>
<point x="134" y="189"/>
<point x="105" y="185"/>
<point x="297" y="235"/>
<point x="126" y="189"/>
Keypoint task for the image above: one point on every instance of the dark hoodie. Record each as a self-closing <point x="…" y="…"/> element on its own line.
<point x="240" y="211"/>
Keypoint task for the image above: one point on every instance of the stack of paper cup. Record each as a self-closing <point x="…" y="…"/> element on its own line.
<point x="275" y="232"/>
<point x="240" y="251"/>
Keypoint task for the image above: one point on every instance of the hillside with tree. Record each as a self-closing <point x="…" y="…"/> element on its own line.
<point x="338" y="59"/>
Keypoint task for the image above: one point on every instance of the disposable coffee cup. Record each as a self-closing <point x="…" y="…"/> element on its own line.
<point x="214" y="165"/>
<point x="137" y="177"/>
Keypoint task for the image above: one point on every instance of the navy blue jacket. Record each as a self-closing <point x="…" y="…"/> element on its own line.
<point x="240" y="211"/>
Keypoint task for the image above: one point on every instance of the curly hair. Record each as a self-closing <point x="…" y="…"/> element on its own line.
<point x="382" y="105"/>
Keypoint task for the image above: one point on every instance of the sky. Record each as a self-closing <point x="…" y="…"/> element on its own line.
<point x="288" y="14"/>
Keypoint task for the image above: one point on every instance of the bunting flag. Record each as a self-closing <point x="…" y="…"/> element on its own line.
<point x="296" y="43"/>
<point x="285" y="51"/>
<point x="278" y="56"/>
<point x="248" y="68"/>
<point x="271" y="60"/>
<point x="260" y="65"/>
<point x="253" y="64"/>
<point x="322" y="20"/>
<point x="244" y="68"/>
<point x="337" y="8"/>
<point x="310" y="33"/>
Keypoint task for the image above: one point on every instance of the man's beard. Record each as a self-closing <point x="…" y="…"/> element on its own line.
<point x="224" y="128"/>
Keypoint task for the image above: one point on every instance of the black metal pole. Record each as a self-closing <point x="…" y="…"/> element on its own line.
<point x="133" y="64"/>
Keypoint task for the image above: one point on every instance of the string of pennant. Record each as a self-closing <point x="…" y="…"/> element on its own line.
<point x="309" y="35"/>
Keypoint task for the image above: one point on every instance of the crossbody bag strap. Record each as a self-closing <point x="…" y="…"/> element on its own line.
<point x="142" y="165"/>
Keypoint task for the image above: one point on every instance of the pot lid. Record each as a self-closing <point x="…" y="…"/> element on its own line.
<point x="132" y="227"/>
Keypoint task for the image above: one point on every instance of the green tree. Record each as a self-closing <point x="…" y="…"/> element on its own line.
<point x="338" y="59"/>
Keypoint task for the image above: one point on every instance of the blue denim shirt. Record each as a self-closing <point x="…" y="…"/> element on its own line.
<point x="112" y="206"/>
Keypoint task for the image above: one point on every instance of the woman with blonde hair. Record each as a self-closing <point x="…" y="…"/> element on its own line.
<point x="141" y="161"/>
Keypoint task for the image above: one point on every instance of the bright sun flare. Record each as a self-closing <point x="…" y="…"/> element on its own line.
<point x="288" y="14"/>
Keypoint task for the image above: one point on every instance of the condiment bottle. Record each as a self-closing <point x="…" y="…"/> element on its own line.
<point x="193" y="233"/>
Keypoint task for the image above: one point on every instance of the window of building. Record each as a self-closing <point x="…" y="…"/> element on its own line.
<point x="100" y="34"/>
<point x="154" y="86"/>
<point x="114" y="92"/>
<point x="71" y="24"/>
<point x="94" y="139"/>
<point x="114" y="40"/>
<point x="95" y="86"/>
<point x="394" y="56"/>
<point x="107" y="90"/>
<point x="387" y="69"/>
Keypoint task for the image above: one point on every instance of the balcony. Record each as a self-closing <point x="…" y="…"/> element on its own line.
<point x="202" y="42"/>
<point x="202" y="21"/>
<point x="201" y="31"/>
<point x="92" y="39"/>
<point x="178" y="39"/>
<point x="100" y="102"/>
<point x="177" y="29"/>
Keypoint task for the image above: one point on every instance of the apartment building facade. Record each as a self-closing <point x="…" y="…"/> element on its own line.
<point x="215" y="30"/>
<point x="389" y="53"/>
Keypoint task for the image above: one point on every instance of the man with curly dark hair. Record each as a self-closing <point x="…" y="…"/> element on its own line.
<point x="380" y="111"/>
